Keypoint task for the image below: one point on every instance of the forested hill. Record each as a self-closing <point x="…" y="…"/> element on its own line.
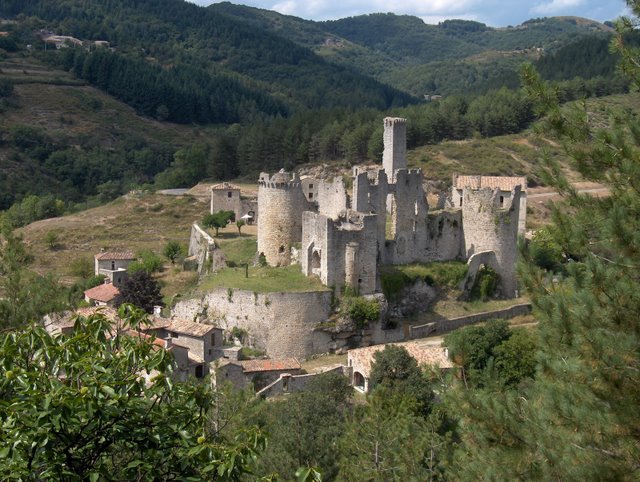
<point x="174" y="33"/>
<point x="455" y="56"/>
<point x="411" y="41"/>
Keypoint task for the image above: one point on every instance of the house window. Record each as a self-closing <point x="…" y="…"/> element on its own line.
<point x="310" y="186"/>
<point x="113" y="265"/>
<point x="213" y="339"/>
<point x="199" y="371"/>
<point x="460" y="201"/>
<point x="174" y="335"/>
<point x="229" y="194"/>
<point x="501" y="201"/>
<point x="310" y="196"/>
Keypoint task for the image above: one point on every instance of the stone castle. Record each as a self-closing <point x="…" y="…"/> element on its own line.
<point x="344" y="237"/>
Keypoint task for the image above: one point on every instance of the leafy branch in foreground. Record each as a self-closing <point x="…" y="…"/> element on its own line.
<point x="100" y="403"/>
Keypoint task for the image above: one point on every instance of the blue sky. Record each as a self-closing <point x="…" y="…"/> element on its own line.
<point x="496" y="13"/>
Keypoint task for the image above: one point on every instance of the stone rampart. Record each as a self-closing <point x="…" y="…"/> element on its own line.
<point x="279" y="323"/>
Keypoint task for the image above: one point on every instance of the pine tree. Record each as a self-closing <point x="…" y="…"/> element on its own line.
<point x="578" y="419"/>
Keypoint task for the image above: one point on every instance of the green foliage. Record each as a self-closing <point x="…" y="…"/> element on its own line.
<point x="82" y="267"/>
<point x="386" y="440"/>
<point x="25" y="296"/>
<point x="485" y="284"/>
<point x="239" y="224"/>
<point x="148" y="261"/>
<point x="173" y="250"/>
<point x="360" y="309"/>
<point x="141" y="290"/>
<point x="217" y="220"/>
<point x="80" y="406"/>
<point x="304" y="428"/>
<point x="493" y="353"/>
<point x="545" y="252"/>
<point x="573" y="421"/>
<point x="51" y="239"/>
<point x="396" y="370"/>
<point x="6" y="87"/>
<point x="444" y="275"/>
<point x="32" y="208"/>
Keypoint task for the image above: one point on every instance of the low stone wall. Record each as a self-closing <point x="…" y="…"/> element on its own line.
<point x="440" y="327"/>
<point x="203" y="248"/>
<point x="297" y="383"/>
<point x="281" y="324"/>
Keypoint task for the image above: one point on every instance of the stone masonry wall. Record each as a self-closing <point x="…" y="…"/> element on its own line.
<point x="282" y="324"/>
<point x="226" y="200"/>
<point x="394" y="155"/>
<point x="490" y="225"/>
<point x="441" y="327"/>
<point x="332" y="198"/>
<point x="203" y="247"/>
<point x="281" y="205"/>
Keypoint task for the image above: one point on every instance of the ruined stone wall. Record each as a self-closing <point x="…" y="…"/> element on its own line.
<point x="281" y="203"/>
<point x="445" y="236"/>
<point x="204" y="248"/>
<point x="332" y="198"/>
<point x="370" y="197"/>
<point x="341" y="252"/>
<point x="492" y="225"/>
<point x="282" y="324"/>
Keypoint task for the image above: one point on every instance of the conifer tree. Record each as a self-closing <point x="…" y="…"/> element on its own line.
<point x="578" y="419"/>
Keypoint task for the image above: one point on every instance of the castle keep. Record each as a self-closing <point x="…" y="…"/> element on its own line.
<point x="342" y="238"/>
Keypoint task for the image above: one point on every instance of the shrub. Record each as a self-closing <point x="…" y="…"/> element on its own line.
<point x="360" y="309"/>
<point x="485" y="284"/>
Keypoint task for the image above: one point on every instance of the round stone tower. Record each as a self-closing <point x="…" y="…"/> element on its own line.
<point x="490" y="223"/>
<point x="281" y="203"/>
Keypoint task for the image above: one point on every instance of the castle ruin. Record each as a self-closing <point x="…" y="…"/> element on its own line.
<point x="343" y="238"/>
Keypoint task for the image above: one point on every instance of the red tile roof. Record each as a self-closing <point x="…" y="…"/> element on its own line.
<point x="103" y="293"/>
<point x="504" y="183"/>
<point x="115" y="255"/>
<point x="249" y="366"/>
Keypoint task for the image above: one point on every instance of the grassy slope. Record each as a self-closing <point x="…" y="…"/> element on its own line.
<point x="54" y="100"/>
<point x="145" y="221"/>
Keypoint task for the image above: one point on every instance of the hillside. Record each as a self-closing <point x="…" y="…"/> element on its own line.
<point x="65" y="138"/>
<point x="452" y="57"/>
<point x="255" y="65"/>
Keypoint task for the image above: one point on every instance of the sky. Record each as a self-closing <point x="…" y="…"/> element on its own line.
<point x="495" y="13"/>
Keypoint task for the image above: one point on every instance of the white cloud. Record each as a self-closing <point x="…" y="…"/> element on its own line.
<point x="556" y="6"/>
